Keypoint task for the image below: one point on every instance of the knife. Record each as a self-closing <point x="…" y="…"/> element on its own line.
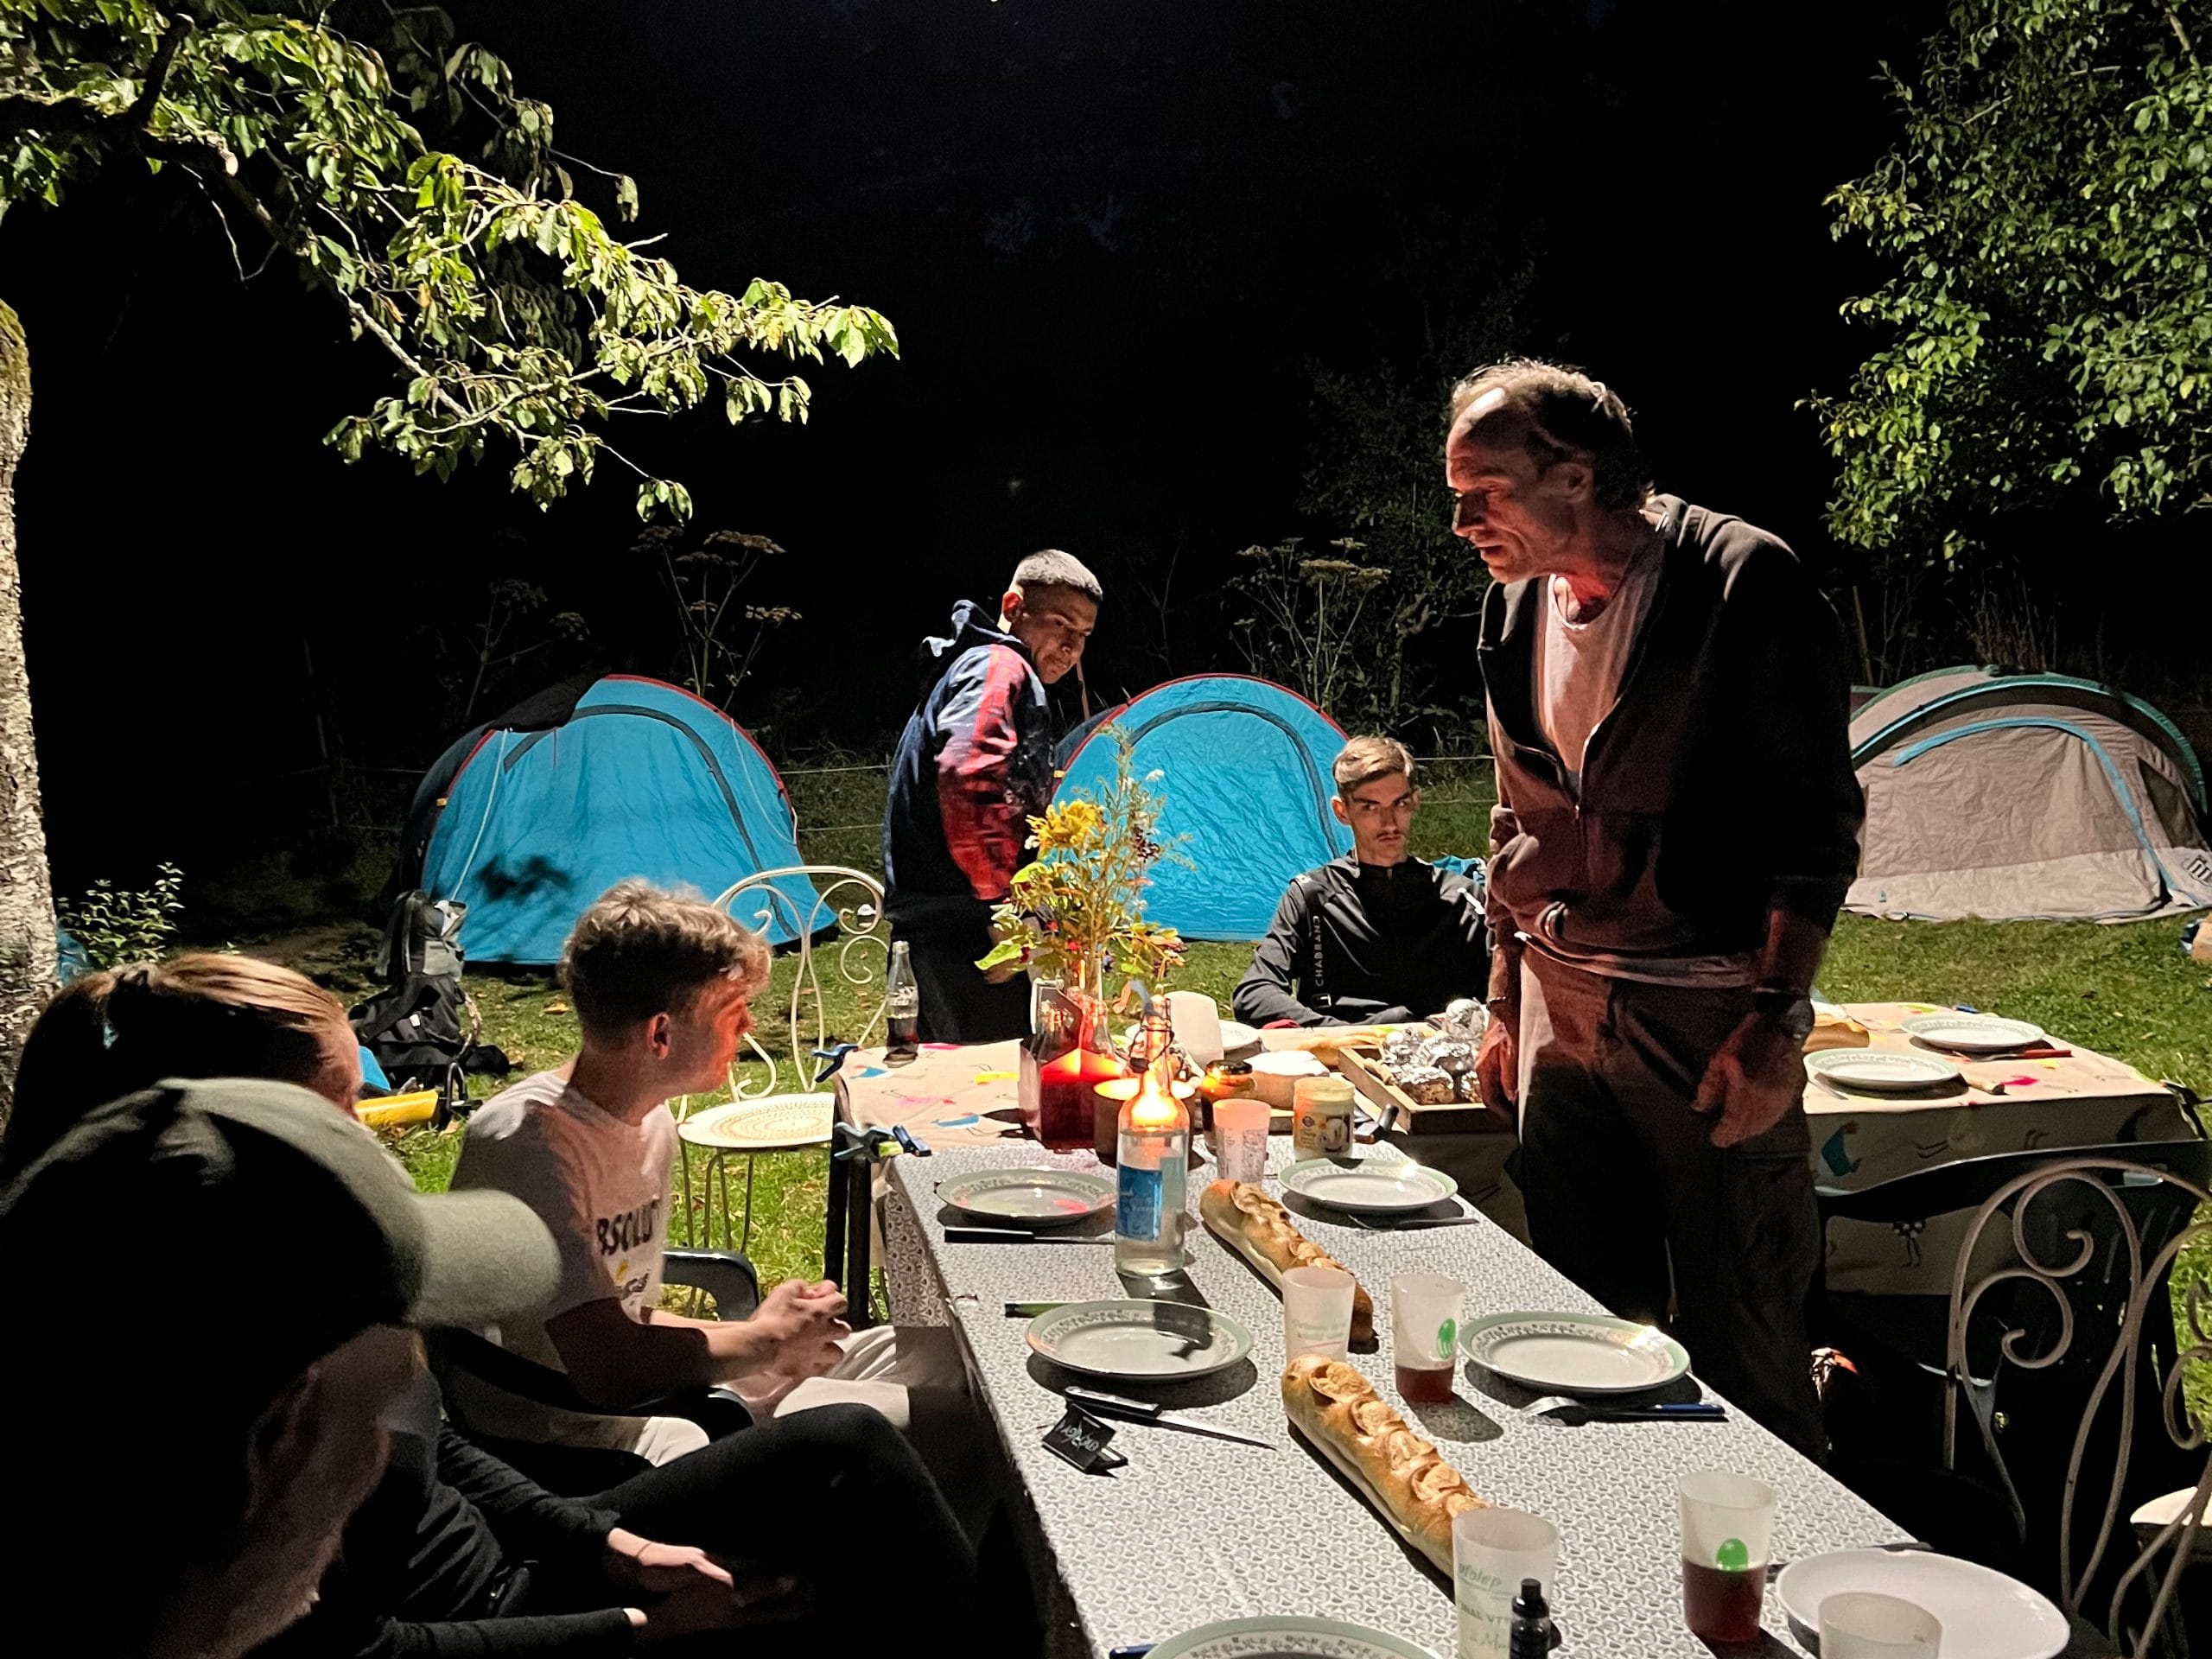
<point x="1147" y="1411"/>
<point x="1011" y="1235"/>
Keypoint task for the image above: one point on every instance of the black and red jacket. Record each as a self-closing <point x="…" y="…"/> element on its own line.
<point x="973" y="765"/>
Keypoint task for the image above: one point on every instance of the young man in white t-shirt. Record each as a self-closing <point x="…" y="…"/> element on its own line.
<point x="660" y="985"/>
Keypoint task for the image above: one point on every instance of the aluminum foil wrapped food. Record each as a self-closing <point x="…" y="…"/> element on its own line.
<point x="1424" y="1084"/>
<point x="1404" y="1045"/>
<point x="1452" y="1054"/>
<point x="1466" y="1018"/>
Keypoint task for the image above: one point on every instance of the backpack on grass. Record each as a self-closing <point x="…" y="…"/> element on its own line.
<point x="423" y="1028"/>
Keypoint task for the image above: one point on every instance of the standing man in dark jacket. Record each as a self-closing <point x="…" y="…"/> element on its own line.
<point x="1377" y="937"/>
<point x="973" y="765"/>
<point x="1677" y="822"/>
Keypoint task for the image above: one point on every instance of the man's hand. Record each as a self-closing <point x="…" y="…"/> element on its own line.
<point x="1497" y="1063"/>
<point x="638" y="1563"/>
<point x="805" y="1322"/>
<point x="1752" y="1080"/>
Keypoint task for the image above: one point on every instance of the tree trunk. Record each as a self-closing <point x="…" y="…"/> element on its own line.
<point x="27" y="952"/>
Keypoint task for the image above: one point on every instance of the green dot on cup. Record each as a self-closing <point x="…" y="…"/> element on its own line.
<point x="1446" y="1334"/>
<point x="1733" y="1557"/>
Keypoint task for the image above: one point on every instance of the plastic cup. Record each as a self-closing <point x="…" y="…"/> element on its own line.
<point x="1492" y="1550"/>
<point x="1727" y="1525"/>
<point x="1197" y="1025"/>
<point x="1316" y="1312"/>
<point x="1241" y="1124"/>
<point x="1425" y="1333"/>
<point x="1860" y="1624"/>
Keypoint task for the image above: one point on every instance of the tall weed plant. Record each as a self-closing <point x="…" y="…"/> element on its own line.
<point x="115" y="925"/>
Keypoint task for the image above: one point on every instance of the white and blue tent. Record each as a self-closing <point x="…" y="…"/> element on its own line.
<point x="1244" y="766"/>
<point x="527" y="822"/>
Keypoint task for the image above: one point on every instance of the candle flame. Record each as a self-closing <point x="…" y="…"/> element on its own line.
<point x="1154" y="1107"/>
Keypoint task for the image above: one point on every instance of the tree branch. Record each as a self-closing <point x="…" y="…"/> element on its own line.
<point x="141" y="112"/>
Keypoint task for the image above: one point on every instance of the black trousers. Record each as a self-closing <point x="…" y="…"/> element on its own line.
<point x="958" y="1004"/>
<point x="836" y="1498"/>
<point x="1628" y="1195"/>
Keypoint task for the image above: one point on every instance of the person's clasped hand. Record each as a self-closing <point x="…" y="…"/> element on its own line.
<point x="806" y="1321"/>
<point x="1753" y="1078"/>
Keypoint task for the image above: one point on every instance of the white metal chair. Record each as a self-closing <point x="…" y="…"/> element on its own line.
<point x="768" y="1117"/>
<point x="2097" y="1245"/>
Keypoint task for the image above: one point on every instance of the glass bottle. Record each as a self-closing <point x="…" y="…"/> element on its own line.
<point x="902" y="1002"/>
<point x="1153" y="1166"/>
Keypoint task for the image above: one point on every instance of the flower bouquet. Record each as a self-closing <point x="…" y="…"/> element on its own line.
<point x="1075" y="914"/>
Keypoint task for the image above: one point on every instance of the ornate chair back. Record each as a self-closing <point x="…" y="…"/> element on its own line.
<point x="849" y="900"/>
<point x="2069" y="1345"/>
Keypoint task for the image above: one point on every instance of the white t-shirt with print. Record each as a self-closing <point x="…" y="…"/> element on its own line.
<point x="602" y="1186"/>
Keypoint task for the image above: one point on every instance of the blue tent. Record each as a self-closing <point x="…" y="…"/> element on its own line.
<point x="1244" y="768"/>
<point x="638" y="778"/>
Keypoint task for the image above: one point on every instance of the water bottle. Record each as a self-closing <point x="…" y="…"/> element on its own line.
<point x="903" y="1003"/>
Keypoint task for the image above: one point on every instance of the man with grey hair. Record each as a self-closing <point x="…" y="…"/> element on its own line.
<point x="1376" y="936"/>
<point x="1677" y="822"/>
<point x="973" y="765"/>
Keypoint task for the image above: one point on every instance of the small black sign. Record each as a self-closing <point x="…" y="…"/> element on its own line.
<point x="1083" y="1441"/>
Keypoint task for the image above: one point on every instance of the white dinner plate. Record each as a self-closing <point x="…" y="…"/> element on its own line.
<point x="1367" y="1186"/>
<point x="1237" y="1038"/>
<point x="1264" y="1637"/>
<point x="1985" y="1615"/>
<point x="1574" y="1353"/>
<point x="1881" y="1071"/>
<point x="776" y="1124"/>
<point x="1039" y="1197"/>
<point x="1139" y="1341"/>
<point x="1972" y="1033"/>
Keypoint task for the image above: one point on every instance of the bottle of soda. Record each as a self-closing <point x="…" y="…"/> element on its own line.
<point x="903" y="1003"/>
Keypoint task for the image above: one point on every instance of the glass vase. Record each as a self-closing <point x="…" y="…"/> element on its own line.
<point x="1068" y="1055"/>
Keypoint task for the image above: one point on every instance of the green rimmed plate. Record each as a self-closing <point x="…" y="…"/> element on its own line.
<point x="1309" y="1638"/>
<point x="1139" y="1341"/>
<point x="1030" y="1197"/>
<point x="1369" y="1186"/>
<point x="1882" y="1070"/>
<point x="1574" y="1353"/>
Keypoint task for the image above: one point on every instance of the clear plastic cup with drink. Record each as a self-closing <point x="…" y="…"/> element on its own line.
<point x="1425" y="1311"/>
<point x="1728" y="1527"/>
<point x="1492" y="1551"/>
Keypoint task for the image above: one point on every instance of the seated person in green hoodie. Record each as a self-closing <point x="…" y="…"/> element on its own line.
<point x="1377" y="937"/>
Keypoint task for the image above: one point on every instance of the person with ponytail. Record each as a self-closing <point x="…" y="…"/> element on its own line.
<point x="201" y="1015"/>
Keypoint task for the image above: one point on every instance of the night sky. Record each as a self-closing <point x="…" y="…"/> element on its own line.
<point x="1111" y="234"/>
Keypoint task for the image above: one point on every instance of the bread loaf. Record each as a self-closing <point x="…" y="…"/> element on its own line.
<point x="1325" y="1043"/>
<point x="1337" y="1408"/>
<point x="1237" y="1211"/>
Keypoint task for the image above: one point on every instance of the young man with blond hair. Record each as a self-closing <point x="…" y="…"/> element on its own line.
<point x="660" y="985"/>
<point x="1376" y="936"/>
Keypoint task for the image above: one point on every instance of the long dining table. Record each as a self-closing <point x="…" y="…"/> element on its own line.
<point x="1192" y="1530"/>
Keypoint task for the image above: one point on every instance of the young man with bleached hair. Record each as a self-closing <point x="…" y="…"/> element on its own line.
<point x="660" y="985"/>
<point x="973" y="765"/>
<point x="1375" y="937"/>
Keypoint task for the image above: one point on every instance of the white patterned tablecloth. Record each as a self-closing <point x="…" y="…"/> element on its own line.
<point x="1194" y="1531"/>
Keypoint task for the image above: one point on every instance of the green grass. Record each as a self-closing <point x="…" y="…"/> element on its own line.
<point x="2127" y="991"/>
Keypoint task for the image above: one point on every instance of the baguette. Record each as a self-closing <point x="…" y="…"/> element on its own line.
<point x="1418" y="1491"/>
<point x="1326" y="1043"/>
<point x="1243" y="1215"/>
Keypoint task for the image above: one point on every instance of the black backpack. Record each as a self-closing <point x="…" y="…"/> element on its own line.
<point x="423" y="1028"/>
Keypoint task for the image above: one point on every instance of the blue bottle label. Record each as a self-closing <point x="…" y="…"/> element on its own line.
<point x="1136" y="1209"/>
